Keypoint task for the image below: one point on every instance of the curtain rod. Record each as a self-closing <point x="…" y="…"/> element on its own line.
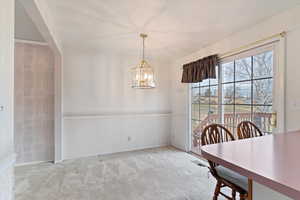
<point x="243" y="48"/>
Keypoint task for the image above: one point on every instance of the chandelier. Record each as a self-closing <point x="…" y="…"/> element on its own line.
<point x="143" y="74"/>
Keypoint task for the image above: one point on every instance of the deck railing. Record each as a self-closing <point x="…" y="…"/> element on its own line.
<point x="230" y="121"/>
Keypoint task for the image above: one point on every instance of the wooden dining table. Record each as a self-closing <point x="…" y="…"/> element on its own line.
<point x="271" y="163"/>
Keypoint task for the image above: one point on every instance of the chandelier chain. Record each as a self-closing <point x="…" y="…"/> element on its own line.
<point x="143" y="48"/>
<point x="143" y="35"/>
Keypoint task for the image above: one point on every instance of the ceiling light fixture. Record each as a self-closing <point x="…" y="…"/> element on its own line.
<point x="143" y="74"/>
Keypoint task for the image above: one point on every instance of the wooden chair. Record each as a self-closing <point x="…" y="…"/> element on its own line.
<point x="213" y="134"/>
<point x="247" y="129"/>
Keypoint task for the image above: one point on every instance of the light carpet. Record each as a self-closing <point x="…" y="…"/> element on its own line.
<point x="153" y="174"/>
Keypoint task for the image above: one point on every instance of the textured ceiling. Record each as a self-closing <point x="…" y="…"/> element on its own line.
<point x="176" y="27"/>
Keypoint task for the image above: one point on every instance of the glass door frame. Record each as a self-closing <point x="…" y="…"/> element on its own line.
<point x="244" y="55"/>
<point x="278" y="48"/>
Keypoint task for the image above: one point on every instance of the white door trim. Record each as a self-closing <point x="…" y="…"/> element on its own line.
<point x="279" y="89"/>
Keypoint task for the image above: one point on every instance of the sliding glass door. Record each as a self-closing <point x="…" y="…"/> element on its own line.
<point x="243" y="90"/>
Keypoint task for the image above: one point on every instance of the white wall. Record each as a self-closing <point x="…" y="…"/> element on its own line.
<point x="286" y="21"/>
<point x="103" y="114"/>
<point x="103" y="134"/>
<point x="6" y="98"/>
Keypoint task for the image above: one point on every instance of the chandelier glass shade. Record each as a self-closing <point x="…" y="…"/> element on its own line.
<point x="143" y="74"/>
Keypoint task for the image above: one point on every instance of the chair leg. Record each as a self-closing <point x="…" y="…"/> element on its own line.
<point x="217" y="190"/>
<point x="233" y="194"/>
<point x="243" y="197"/>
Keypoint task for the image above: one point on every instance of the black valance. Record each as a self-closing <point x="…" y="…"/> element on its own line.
<point x="200" y="70"/>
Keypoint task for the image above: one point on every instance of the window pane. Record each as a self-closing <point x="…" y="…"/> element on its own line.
<point x="228" y="117"/>
<point x="196" y="133"/>
<point x="213" y="114"/>
<point x="228" y="72"/>
<point x="214" y="81"/>
<point x="204" y="95"/>
<point x="195" y="95"/>
<point x="228" y="93"/>
<point x="195" y="111"/>
<point x="204" y="110"/>
<point x="242" y="113"/>
<point x="247" y="87"/>
<point x="262" y="118"/>
<point x="263" y="65"/>
<point x="195" y="85"/>
<point x="243" y="92"/>
<point x="195" y="124"/>
<point x="214" y="95"/>
<point x="204" y="82"/>
<point x="243" y="69"/>
<point x="262" y="91"/>
<point x="201" y="126"/>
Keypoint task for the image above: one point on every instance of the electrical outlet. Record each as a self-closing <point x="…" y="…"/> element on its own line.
<point x="296" y="104"/>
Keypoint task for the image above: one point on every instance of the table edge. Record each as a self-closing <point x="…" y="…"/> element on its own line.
<point x="277" y="186"/>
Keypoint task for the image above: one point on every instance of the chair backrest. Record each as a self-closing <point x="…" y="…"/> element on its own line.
<point x="247" y="129"/>
<point x="215" y="133"/>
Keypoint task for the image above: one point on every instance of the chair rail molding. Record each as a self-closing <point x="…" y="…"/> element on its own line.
<point x="115" y="114"/>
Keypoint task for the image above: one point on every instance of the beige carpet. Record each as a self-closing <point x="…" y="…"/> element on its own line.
<point x="155" y="174"/>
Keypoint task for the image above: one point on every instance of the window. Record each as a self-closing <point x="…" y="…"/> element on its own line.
<point x="204" y="102"/>
<point x="243" y="90"/>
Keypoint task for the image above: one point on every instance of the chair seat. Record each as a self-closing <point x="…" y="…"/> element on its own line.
<point x="232" y="177"/>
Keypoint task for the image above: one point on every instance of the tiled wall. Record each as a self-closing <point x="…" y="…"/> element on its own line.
<point x="34" y="103"/>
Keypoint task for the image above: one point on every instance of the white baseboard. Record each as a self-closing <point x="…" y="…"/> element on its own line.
<point x="126" y="151"/>
<point x="178" y="146"/>
<point x="33" y="163"/>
